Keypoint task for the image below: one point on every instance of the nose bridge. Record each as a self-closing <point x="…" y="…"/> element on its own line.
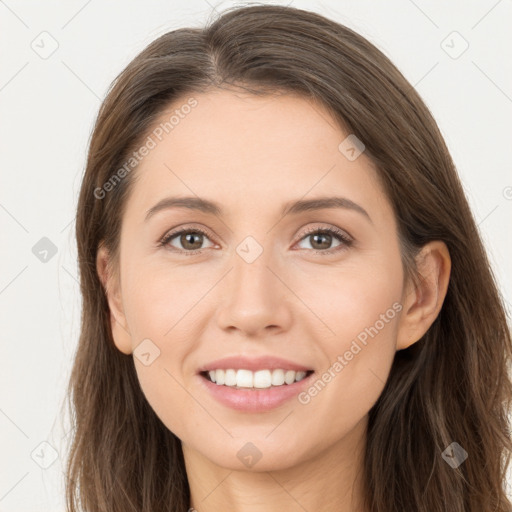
<point x="255" y="296"/>
<point x="251" y="274"/>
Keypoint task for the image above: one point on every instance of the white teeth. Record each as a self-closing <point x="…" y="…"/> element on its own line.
<point x="260" y="379"/>
<point x="244" y="379"/>
<point x="220" y="377"/>
<point x="299" y="376"/>
<point x="277" y="377"/>
<point x="289" y="377"/>
<point x="230" y="378"/>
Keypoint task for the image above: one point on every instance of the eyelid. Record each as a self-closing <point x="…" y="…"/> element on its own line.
<point x="329" y="228"/>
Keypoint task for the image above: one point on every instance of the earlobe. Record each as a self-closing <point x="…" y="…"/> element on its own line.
<point x="111" y="285"/>
<point x="422" y="302"/>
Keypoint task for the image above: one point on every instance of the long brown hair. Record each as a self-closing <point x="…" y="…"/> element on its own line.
<point x="452" y="385"/>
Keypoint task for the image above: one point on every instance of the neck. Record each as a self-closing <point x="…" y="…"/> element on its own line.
<point x="330" y="481"/>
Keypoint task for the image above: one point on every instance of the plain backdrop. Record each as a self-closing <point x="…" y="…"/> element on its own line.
<point x="58" y="59"/>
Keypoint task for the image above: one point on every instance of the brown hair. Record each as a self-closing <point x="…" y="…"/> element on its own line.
<point x="452" y="385"/>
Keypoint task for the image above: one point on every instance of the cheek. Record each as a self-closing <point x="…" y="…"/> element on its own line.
<point x="163" y="388"/>
<point x="347" y="299"/>
<point x="158" y="297"/>
<point x="357" y="365"/>
<point x="363" y="304"/>
<point x="159" y="305"/>
<point x="361" y="307"/>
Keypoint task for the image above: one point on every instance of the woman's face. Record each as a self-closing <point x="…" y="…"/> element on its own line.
<point x="261" y="285"/>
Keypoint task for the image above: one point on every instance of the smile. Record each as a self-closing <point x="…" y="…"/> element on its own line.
<point x="261" y="379"/>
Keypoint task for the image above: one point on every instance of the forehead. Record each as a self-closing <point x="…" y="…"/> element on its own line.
<point x="251" y="151"/>
<point x="240" y="125"/>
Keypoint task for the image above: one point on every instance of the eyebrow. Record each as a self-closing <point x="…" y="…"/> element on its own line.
<point x="293" y="207"/>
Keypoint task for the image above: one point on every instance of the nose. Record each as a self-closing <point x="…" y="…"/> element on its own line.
<point x="257" y="302"/>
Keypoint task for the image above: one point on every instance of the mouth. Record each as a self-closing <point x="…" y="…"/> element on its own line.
<point x="260" y="391"/>
<point x="255" y="380"/>
<point x="255" y="384"/>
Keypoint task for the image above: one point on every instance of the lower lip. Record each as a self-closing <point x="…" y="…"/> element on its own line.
<point x="254" y="400"/>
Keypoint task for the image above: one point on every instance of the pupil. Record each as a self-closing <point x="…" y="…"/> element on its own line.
<point x="325" y="236"/>
<point x="189" y="240"/>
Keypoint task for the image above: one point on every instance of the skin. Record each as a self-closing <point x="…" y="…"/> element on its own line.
<point x="253" y="154"/>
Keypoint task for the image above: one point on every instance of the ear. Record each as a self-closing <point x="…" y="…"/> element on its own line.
<point x="423" y="301"/>
<point x="112" y="286"/>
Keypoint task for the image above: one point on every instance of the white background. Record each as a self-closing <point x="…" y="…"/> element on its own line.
<point x="47" y="107"/>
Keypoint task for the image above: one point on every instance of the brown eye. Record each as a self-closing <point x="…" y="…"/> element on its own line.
<point x="191" y="240"/>
<point x="321" y="239"/>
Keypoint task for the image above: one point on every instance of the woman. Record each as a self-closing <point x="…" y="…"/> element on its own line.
<point x="286" y="302"/>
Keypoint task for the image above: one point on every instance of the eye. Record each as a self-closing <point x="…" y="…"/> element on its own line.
<point x="191" y="240"/>
<point x="321" y="238"/>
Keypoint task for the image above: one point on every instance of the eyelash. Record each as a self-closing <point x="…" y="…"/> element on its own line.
<point x="337" y="233"/>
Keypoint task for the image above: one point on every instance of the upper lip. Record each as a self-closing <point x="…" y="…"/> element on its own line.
<point x="253" y="364"/>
